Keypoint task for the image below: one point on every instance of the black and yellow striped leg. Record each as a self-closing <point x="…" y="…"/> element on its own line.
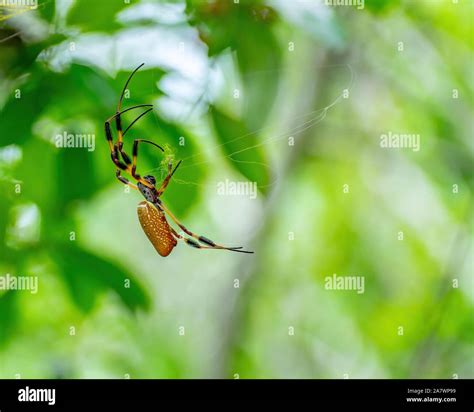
<point x="120" y="133"/>
<point x="108" y="131"/>
<point x="114" y="153"/>
<point x="129" y="166"/>
<point x="202" y="239"/>
<point x="168" y="177"/>
<point x="191" y="242"/>
<point x="118" y="126"/>
<point x="133" y="167"/>
<point x="115" y="158"/>
<point x="116" y="149"/>
<point x="124" y="180"/>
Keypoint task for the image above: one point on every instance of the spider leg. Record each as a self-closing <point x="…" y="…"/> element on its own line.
<point x="126" y="84"/>
<point x="127" y="166"/>
<point x="116" y="149"/>
<point x="133" y="166"/>
<point x="121" y="134"/>
<point x="124" y="180"/>
<point x="202" y="239"/>
<point x="108" y="131"/>
<point x="168" y="177"/>
<point x="119" y="106"/>
<point x="136" y="120"/>
<point x="191" y="242"/>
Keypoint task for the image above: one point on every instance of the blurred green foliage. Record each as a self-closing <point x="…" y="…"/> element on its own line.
<point x="333" y="79"/>
<point x="251" y="163"/>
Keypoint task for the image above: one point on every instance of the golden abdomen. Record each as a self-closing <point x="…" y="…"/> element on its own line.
<point x="156" y="228"/>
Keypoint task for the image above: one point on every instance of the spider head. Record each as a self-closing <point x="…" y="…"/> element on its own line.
<point x="150" y="179"/>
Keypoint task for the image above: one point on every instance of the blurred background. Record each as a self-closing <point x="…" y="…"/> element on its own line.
<point x="295" y="97"/>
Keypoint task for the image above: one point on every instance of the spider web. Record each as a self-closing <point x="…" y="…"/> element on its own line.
<point x="301" y="123"/>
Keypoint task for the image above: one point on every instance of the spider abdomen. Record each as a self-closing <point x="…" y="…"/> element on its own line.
<point x="156" y="227"/>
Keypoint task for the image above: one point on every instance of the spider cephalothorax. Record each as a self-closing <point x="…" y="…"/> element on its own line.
<point x="149" y="193"/>
<point x="151" y="179"/>
<point x="151" y="213"/>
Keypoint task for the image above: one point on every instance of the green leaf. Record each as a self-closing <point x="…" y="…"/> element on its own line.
<point x="5" y="205"/>
<point x="80" y="90"/>
<point x="75" y="174"/>
<point x="181" y="197"/>
<point x="143" y="88"/>
<point x="259" y="62"/>
<point x="8" y="314"/>
<point x="239" y="146"/>
<point x="88" y="276"/>
<point x="91" y="15"/>
<point x="37" y="174"/>
<point x="17" y="56"/>
<point x="47" y="9"/>
<point x="246" y="28"/>
<point x="381" y="6"/>
<point x="26" y="107"/>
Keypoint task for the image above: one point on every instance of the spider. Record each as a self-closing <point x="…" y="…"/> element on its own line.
<point x="151" y="212"/>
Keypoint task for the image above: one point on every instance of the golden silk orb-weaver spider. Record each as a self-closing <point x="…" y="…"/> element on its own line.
<point x="151" y="212"/>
